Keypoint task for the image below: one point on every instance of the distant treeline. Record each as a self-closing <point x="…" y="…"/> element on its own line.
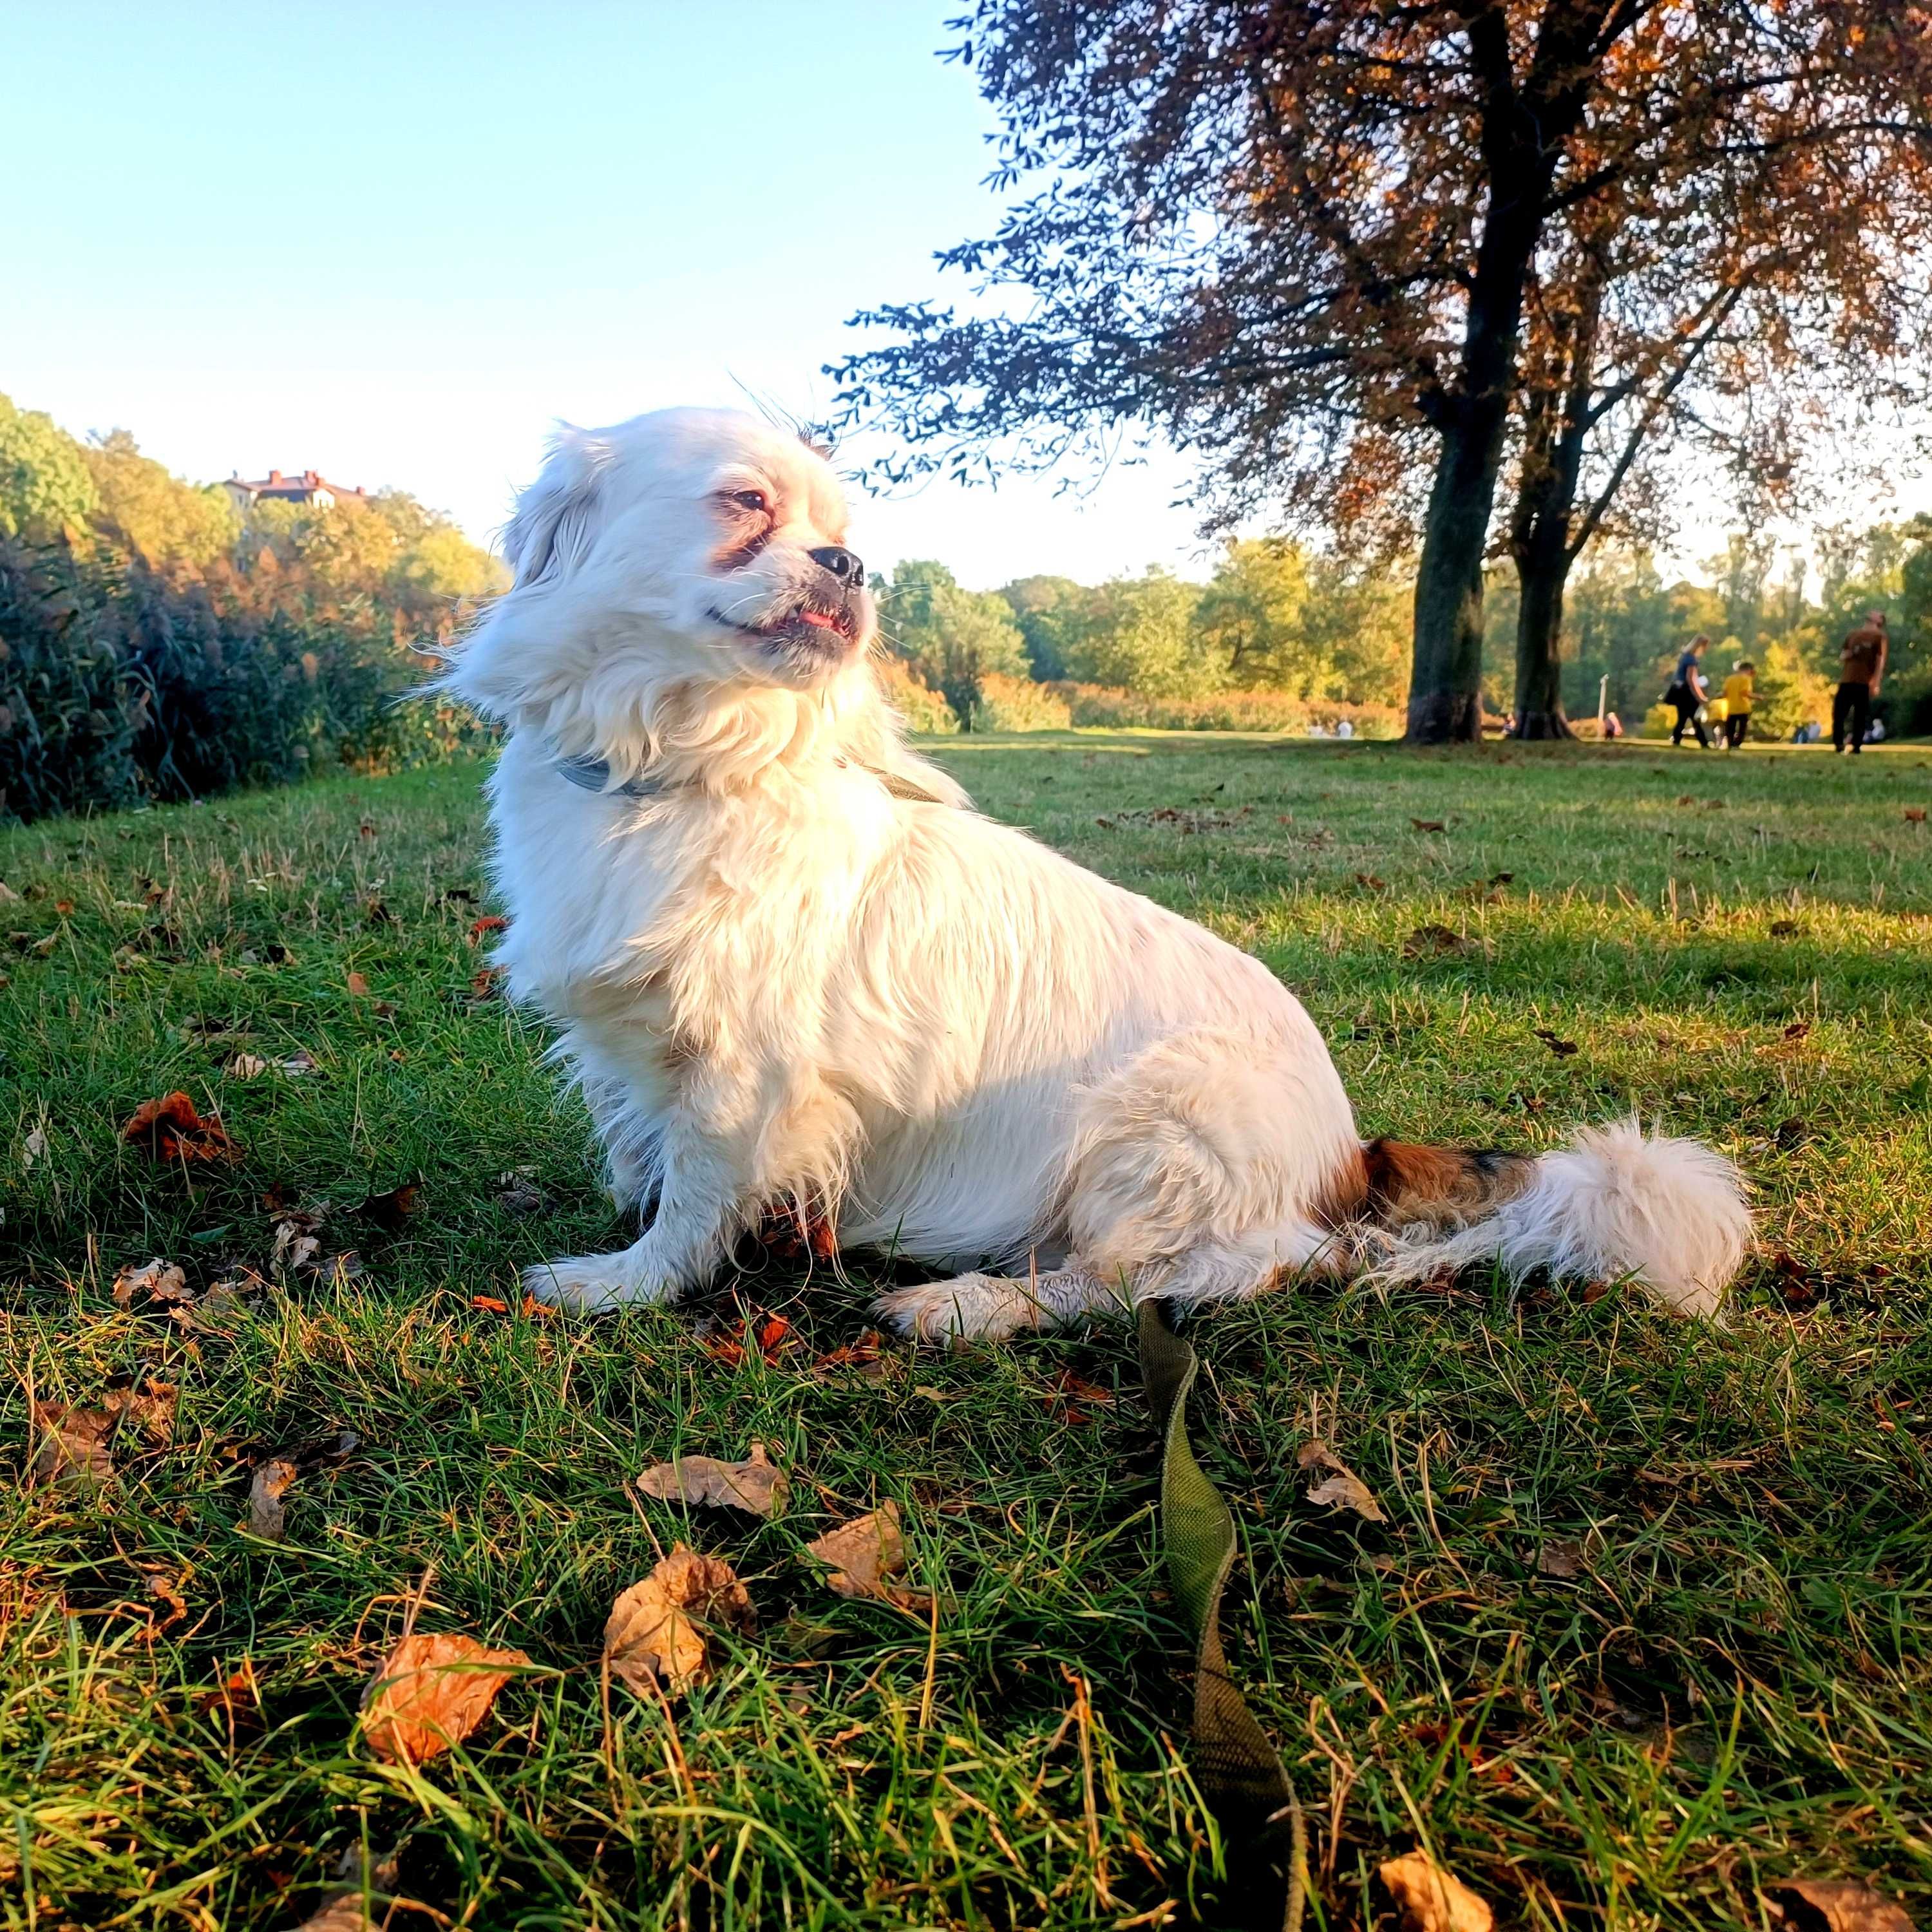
<point x="1281" y="638"/>
<point x="157" y="642"/>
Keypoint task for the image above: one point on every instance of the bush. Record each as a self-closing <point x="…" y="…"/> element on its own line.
<point x="924" y="710"/>
<point x="1098" y="704"/>
<point x="117" y="686"/>
<point x="1019" y="704"/>
<point x="1788" y="694"/>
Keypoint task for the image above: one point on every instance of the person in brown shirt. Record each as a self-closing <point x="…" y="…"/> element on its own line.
<point x="1861" y="666"/>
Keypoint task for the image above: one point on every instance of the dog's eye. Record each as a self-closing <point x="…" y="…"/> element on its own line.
<point x="755" y="501"/>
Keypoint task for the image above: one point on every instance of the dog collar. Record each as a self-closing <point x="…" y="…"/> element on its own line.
<point x="589" y="774"/>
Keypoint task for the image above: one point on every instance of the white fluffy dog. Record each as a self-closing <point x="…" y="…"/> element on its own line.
<point x="789" y="962"/>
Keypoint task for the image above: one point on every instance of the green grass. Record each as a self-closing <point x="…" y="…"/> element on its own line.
<point x="1734" y="1688"/>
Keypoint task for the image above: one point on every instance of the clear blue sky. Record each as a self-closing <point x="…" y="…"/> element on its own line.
<point x="394" y="242"/>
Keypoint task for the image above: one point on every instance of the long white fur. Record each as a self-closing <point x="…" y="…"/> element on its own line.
<point x="803" y="966"/>
<point x="1669" y="1212"/>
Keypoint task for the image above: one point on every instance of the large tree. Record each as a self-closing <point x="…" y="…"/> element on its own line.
<point x="1297" y="236"/>
<point x="1726" y="319"/>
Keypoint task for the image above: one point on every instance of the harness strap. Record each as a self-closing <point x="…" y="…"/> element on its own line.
<point x="1238" y="1771"/>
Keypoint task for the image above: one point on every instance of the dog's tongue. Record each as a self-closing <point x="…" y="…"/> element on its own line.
<point x="819" y="618"/>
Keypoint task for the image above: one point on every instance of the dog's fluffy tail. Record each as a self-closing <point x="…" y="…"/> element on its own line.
<point x="1614" y="1203"/>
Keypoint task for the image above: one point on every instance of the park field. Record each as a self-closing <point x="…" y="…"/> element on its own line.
<point x="1647" y="1629"/>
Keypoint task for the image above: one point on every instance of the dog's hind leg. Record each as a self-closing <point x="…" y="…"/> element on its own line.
<point x="1198" y="1172"/>
<point x="994" y="1307"/>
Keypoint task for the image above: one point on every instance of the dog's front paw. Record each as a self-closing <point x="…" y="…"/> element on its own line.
<point x="591" y="1284"/>
<point x="980" y="1306"/>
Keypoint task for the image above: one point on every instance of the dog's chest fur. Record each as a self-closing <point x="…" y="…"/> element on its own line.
<point x="686" y="927"/>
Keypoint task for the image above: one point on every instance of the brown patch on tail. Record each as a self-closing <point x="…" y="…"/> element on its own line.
<point x="1442" y="1186"/>
<point x="1400" y="1184"/>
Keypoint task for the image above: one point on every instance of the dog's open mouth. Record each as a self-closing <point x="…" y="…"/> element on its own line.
<point x="810" y="624"/>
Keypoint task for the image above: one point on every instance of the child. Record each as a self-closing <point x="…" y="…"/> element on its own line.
<point x="1738" y="703"/>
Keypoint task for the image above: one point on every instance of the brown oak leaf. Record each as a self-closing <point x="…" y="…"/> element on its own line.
<point x="430" y="1692"/>
<point x="757" y="1486"/>
<point x="171" y="1130"/>
<point x="655" y="1633"/>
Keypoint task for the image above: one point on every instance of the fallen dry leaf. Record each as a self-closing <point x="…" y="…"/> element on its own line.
<point x="237" y="1700"/>
<point x="791" y="1232"/>
<point x="758" y="1486"/>
<point x="1369" y="883"/>
<point x="431" y="1692"/>
<point x="33" y="1147"/>
<point x="171" y="1130"/>
<point x="298" y="1236"/>
<point x="1069" y="1392"/>
<point x="1783" y="929"/>
<point x="156" y="1280"/>
<point x="863" y="1556"/>
<point x="481" y="929"/>
<point x="391" y="1210"/>
<point x="656" y="1629"/>
<point x="246" y="1066"/>
<point x="151" y="1410"/>
<point x="1431" y="1899"/>
<point x="346" y="1912"/>
<point x="1429" y="825"/>
<point x="1915" y="814"/>
<point x="1433" y="942"/>
<point x="267" y="1517"/>
<point x="1340" y="1487"/>
<point x="300" y="1066"/>
<point x="1810" y="1905"/>
<point x="1562" y="1048"/>
<point x="770" y="1336"/>
<point x="69" y="1446"/>
<point x="863" y="1355"/>
<point x="1564" y="1560"/>
<point x="8" y="895"/>
<point x="359" y="986"/>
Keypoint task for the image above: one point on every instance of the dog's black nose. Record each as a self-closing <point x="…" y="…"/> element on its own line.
<point x="842" y="564"/>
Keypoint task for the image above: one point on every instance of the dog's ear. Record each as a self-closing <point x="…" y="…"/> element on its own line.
<point x="555" y="517"/>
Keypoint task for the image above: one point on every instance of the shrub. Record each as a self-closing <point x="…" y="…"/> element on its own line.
<point x="1225" y="711"/>
<point x="117" y="686"/>
<point x="924" y="710"/>
<point x="1019" y="704"/>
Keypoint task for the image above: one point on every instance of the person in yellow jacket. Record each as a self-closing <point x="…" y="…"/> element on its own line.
<point x="1738" y="688"/>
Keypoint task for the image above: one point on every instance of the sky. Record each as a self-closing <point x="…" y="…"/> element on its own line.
<point x="394" y="242"/>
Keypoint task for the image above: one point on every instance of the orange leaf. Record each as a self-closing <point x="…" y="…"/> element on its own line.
<point x="490" y="921"/>
<point x="431" y="1692"/>
<point x="171" y="1130"/>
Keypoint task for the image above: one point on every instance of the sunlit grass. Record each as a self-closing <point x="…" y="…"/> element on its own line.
<point x="1734" y="1686"/>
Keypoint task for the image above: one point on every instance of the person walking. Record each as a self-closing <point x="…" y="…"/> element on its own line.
<point x="1686" y="692"/>
<point x="1861" y="667"/>
<point x="1738" y="689"/>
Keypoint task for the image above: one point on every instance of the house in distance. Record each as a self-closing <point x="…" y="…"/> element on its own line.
<point x="307" y="487"/>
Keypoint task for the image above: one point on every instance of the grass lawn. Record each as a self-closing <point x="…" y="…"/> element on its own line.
<point x="1647" y="1629"/>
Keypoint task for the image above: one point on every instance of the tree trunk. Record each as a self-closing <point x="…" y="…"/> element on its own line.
<point x="1556" y="425"/>
<point x="1543" y="576"/>
<point x="1445" y="703"/>
<point x="1445" y="690"/>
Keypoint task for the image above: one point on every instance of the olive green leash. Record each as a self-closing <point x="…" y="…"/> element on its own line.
<point x="1238" y="1771"/>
